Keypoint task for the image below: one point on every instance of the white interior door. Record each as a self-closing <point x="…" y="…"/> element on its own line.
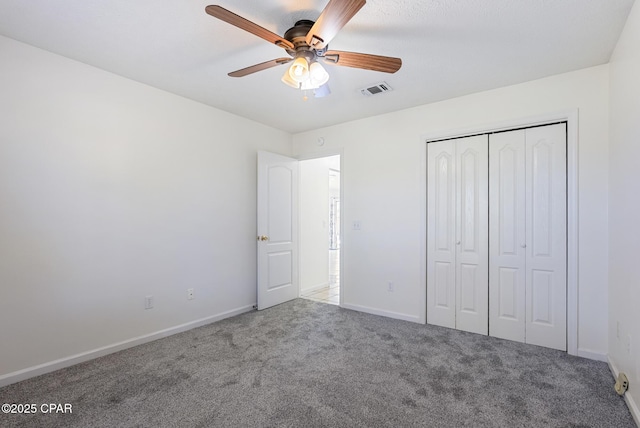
<point x="528" y="252"/>
<point x="277" y="229"/>
<point x="441" y="234"/>
<point x="472" y="235"/>
<point x="507" y="240"/>
<point x="546" y="252"/>
<point x="457" y="234"/>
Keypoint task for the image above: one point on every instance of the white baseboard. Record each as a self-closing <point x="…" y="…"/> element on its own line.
<point x="388" y="314"/>
<point x="313" y="288"/>
<point x="592" y="355"/>
<point x="631" y="404"/>
<point x="61" y="363"/>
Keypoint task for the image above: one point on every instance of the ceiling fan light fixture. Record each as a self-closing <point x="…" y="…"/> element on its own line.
<point x="322" y="91"/>
<point x="309" y="85"/>
<point x="299" y="70"/>
<point x="287" y="80"/>
<point x="318" y="74"/>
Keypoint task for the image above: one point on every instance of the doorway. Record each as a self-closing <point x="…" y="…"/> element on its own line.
<point x="320" y="229"/>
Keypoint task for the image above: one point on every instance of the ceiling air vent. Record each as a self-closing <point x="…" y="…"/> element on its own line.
<point x="376" y="89"/>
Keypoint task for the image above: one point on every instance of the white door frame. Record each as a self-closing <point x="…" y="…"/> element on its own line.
<point x="569" y="116"/>
<point x="325" y="154"/>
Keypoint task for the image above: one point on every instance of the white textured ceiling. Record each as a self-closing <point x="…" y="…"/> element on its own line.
<point x="448" y="47"/>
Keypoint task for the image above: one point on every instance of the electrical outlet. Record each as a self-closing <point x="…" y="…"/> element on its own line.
<point x="148" y="302"/>
<point x="356" y="225"/>
<point x="391" y="287"/>
<point x="622" y="384"/>
<point x="190" y="294"/>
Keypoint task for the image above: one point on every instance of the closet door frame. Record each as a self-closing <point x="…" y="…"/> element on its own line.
<point x="571" y="118"/>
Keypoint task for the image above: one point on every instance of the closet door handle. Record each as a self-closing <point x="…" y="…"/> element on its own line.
<point x="523" y="245"/>
<point x="458" y="243"/>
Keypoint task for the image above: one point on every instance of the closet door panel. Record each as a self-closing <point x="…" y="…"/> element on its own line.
<point x="441" y="252"/>
<point x="509" y="307"/>
<point x="546" y="236"/>
<point x="507" y="240"/>
<point x="472" y="257"/>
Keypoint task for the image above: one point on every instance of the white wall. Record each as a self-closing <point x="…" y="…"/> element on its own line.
<point x="624" y="207"/>
<point x="382" y="187"/>
<point x="313" y="223"/>
<point x="111" y="190"/>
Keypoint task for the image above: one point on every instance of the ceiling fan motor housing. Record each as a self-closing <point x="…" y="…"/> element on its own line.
<point x="298" y="35"/>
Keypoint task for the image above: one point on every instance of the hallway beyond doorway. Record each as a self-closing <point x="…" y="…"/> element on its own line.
<point x="320" y="229"/>
<point x="330" y="294"/>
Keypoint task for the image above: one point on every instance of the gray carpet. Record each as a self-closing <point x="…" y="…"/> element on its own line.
<point x="307" y="364"/>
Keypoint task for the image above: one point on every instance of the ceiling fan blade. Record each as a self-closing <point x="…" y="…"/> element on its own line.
<point x="260" y="67"/>
<point x="385" y="64"/>
<point x="334" y="16"/>
<point x="245" y="24"/>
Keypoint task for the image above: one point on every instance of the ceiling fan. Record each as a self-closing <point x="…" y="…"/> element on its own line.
<point x="306" y="43"/>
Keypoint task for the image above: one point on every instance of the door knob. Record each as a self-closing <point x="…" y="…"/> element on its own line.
<point x="523" y="245"/>
<point x="263" y="238"/>
<point x="458" y="243"/>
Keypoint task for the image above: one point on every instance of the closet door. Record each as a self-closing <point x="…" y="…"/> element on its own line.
<point x="457" y="234"/>
<point x="472" y="245"/>
<point x="527" y="249"/>
<point x="507" y="242"/>
<point x="546" y="252"/>
<point x="441" y="233"/>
